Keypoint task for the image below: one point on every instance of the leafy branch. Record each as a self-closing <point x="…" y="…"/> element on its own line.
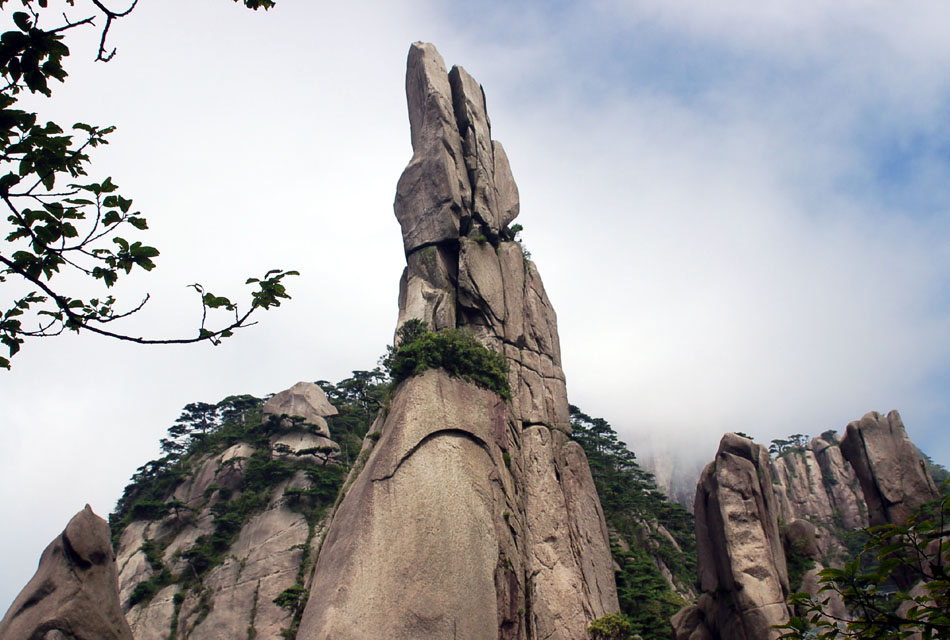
<point x="53" y="229"/>
<point x="905" y="593"/>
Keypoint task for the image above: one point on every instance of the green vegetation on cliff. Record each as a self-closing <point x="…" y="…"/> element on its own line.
<point x="457" y="351"/>
<point x="646" y="530"/>
<point x="311" y="480"/>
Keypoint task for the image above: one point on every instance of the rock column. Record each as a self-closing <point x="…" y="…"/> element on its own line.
<point x="473" y="517"/>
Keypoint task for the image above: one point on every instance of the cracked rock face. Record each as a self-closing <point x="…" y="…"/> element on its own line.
<point x="236" y="599"/>
<point x="472" y="517"/>
<point x="818" y="484"/>
<point x="893" y="477"/>
<point x="742" y="495"/>
<point x="74" y="594"/>
<point x="741" y="560"/>
<point x="454" y="203"/>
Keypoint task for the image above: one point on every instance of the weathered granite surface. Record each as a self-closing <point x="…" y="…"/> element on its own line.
<point x="303" y="400"/>
<point x="892" y="475"/>
<point x="741" y="558"/>
<point x="264" y="559"/>
<point x="74" y="593"/>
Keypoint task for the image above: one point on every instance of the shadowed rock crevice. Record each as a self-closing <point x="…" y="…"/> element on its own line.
<point x="435" y="434"/>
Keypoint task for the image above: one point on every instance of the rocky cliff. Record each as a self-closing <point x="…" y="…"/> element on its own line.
<point x="765" y="527"/>
<point x="465" y="511"/>
<point x="209" y="541"/>
<point x="814" y="482"/>
<point x="472" y="517"/>
<point x="742" y="569"/>
<point x="893" y="476"/>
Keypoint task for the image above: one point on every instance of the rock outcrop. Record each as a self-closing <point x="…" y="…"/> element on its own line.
<point x="811" y="494"/>
<point x="305" y="401"/>
<point x="74" y="594"/>
<point x="893" y="476"/>
<point x="817" y="484"/>
<point x="741" y="558"/>
<point x="233" y="538"/>
<point x="454" y="202"/>
<point x="472" y="517"/>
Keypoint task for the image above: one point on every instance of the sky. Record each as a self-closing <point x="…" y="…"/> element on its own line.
<point x="741" y="212"/>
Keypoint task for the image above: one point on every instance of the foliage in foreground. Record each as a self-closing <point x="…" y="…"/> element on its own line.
<point x="456" y="351"/>
<point x="634" y="509"/>
<point x="60" y="222"/>
<point x="881" y="599"/>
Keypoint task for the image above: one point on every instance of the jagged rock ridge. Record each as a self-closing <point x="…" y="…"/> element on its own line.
<point x="816" y="483"/>
<point x="743" y="500"/>
<point x="472" y="517"/>
<point x="742" y="570"/>
<point x="893" y="476"/>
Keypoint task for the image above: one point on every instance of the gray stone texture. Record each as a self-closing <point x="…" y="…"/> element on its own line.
<point x="440" y="534"/>
<point x="817" y="483"/>
<point x="305" y="400"/>
<point x="454" y="203"/>
<point x="74" y="593"/>
<point x="263" y="560"/>
<point x="894" y="478"/>
<point x="741" y="559"/>
<point x="741" y="497"/>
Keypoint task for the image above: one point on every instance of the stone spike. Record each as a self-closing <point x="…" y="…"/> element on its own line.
<point x="472" y="517"/>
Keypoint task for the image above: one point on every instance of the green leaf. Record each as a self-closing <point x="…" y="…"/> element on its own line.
<point x="8" y="181"/>
<point x="22" y="20"/>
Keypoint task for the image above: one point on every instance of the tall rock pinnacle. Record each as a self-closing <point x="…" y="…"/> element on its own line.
<point x="454" y="202"/>
<point x="470" y="517"/>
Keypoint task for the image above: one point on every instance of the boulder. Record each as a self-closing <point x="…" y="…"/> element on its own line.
<point x="305" y="400"/>
<point x="74" y="593"/>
